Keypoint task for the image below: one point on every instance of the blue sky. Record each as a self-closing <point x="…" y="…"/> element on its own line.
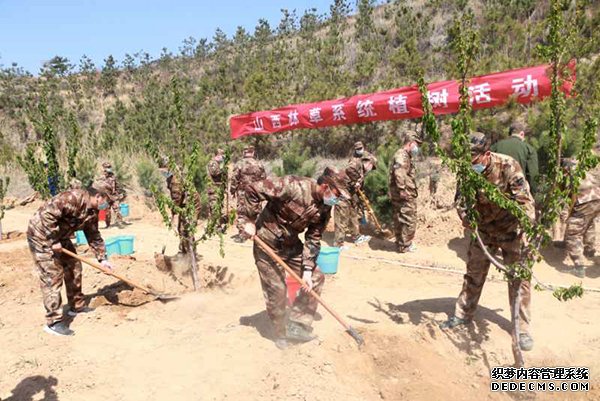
<point x="32" y="31"/>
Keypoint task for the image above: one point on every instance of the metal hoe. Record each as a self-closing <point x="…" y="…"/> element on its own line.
<point x="351" y="331"/>
<point x="160" y="297"/>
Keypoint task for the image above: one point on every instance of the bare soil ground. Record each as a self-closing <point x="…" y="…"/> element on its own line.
<point x="215" y="344"/>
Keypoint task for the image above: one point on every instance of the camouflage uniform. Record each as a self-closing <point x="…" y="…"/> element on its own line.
<point x="218" y="178"/>
<point x="176" y="191"/>
<point x="403" y="194"/>
<point x="247" y="171"/>
<point x="580" y="235"/>
<point x="498" y="229"/>
<point x="347" y="211"/>
<point x="292" y="207"/>
<point x="114" y="197"/>
<point x="54" y="223"/>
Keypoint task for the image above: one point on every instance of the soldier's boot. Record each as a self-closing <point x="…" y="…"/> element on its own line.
<point x="74" y="312"/>
<point x="453" y="322"/>
<point x="299" y="333"/>
<point x="58" y="329"/>
<point x="362" y="238"/>
<point x="404" y="249"/>
<point x="578" y="271"/>
<point x="525" y="342"/>
<point x="282" y="343"/>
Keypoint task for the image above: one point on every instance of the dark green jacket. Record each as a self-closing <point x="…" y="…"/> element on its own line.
<point x="522" y="152"/>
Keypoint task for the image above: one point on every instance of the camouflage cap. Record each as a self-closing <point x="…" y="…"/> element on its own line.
<point x="359" y="145"/>
<point x="479" y="143"/>
<point x="337" y="179"/>
<point x="102" y="187"/>
<point x="412" y="136"/>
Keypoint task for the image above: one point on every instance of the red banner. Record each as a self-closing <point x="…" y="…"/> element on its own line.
<point x="525" y="85"/>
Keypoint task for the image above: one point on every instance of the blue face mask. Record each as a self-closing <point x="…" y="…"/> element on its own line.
<point x="331" y="200"/>
<point x="103" y="206"/>
<point x="360" y="152"/>
<point x="478" y="168"/>
<point x="166" y="174"/>
<point x="414" y="151"/>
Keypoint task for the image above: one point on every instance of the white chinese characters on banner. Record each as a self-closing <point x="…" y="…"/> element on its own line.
<point x="338" y="112"/>
<point x="480" y="94"/>
<point x="397" y="104"/>
<point x="525" y="87"/>
<point x="276" y="121"/>
<point x="439" y="98"/>
<point x="258" y="124"/>
<point x="314" y="115"/>
<point x="365" y="109"/>
<point x="293" y="117"/>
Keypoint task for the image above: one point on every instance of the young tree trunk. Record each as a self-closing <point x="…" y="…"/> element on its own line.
<point x="192" y="251"/>
<point x="516" y="331"/>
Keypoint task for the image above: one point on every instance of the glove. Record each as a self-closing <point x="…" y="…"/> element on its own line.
<point x="107" y="265"/>
<point x="307" y="278"/>
<point x="249" y="230"/>
<point x="57" y="248"/>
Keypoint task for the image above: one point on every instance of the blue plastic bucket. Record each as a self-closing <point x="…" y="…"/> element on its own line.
<point x="125" y="244"/>
<point x="328" y="259"/>
<point x="112" y="246"/>
<point x="80" y="238"/>
<point x="124" y="209"/>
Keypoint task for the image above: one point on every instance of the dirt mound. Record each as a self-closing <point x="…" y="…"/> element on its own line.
<point x="12" y="236"/>
<point x="179" y="268"/>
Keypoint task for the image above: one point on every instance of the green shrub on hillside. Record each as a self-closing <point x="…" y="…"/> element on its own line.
<point x="295" y="161"/>
<point x="147" y="175"/>
<point x="376" y="182"/>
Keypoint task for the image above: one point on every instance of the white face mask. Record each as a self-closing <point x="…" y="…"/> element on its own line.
<point x="360" y="152"/>
<point x="414" y="151"/>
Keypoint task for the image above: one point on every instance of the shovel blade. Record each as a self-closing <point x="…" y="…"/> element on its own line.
<point x="357" y="337"/>
<point x="166" y="298"/>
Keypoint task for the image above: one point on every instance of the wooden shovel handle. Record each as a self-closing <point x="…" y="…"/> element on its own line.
<point x="98" y="266"/>
<point x="289" y="270"/>
<point x="365" y="200"/>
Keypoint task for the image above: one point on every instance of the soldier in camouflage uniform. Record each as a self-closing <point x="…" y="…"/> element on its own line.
<point x="115" y="196"/>
<point x="294" y="205"/>
<point x="347" y="212"/>
<point x="179" y="198"/>
<point x="498" y="229"/>
<point x="247" y="171"/>
<point x="580" y="235"/>
<point x="48" y="233"/>
<point x="217" y="176"/>
<point x="403" y="192"/>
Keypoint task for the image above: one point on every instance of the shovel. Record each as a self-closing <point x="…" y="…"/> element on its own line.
<point x="371" y="213"/>
<point x="352" y="332"/>
<point x="160" y="297"/>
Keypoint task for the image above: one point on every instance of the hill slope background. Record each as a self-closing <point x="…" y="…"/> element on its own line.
<point x="111" y="111"/>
